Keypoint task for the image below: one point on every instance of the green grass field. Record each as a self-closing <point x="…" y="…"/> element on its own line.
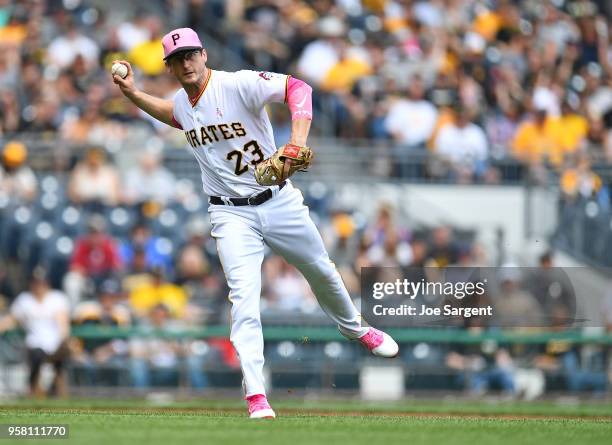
<point x="224" y="422"/>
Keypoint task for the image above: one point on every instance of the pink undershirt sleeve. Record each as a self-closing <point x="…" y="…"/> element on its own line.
<point x="175" y="123"/>
<point x="299" y="99"/>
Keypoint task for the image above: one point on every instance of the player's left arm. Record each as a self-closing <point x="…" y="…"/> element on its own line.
<point x="260" y="88"/>
<point x="296" y="155"/>
<point x="299" y="101"/>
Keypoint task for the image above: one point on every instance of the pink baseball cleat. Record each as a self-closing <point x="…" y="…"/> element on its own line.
<point x="259" y="408"/>
<point x="379" y="343"/>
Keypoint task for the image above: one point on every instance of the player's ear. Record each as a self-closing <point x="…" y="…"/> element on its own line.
<point x="204" y="55"/>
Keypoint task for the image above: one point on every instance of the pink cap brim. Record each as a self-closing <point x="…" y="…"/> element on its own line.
<point x="181" y="39"/>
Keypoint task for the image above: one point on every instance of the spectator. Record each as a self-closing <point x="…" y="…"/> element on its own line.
<point x="575" y="126"/>
<point x="198" y="255"/>
<point x="82" y="130"/>
<point x="136" y="271"/>
<point x="142" y="239"/>
<point x="285" y="289"/>
<point x="148" y="55"/>
<point x="199" y="273"/>
<point x="500" y="127"/>
<point x="43" y="117"/>
<point x="133" y="33"/>
<point x="148" y="295"/>
<point x="207" y="298"/>
<point x="66" y="48"/>
<point x="342" y="76"/>
<point x="514" y="306"/>
<point x="411" y="121"/>
<point x="540" y="140"/>
<point x="419" y="248"/>
<point x="606" y="311"/>
<point x="383" y="223"/>
<point x="342" y="239"/>
<point x="149" y="181"/>
<point x="7" y="294"/>
<point x="482" y="370"/>
<point x="579" y="377"/>
<point x="443" y="249"/>
<point x="384" y="242"/>
<point x="9" y="112"/>
<point x="393" y="252"/>
<point x="260" y="41"/>
<point x="157" y="360"/>
<point x="44" y="315"/>
<point x="545" y="96"/>
<point x="192" y="263"/>
<point x="320" y="55"/>
<point x="607" y="141"/>
<point x="463" y="145"/>
<point x="97" y="355"/>
<point x="552" y="288"/>
<point x="580" y="181"/>
<point x="95" y="258"/>
<point x="17" y="179"/>
<point x="94" y="182"/>
<point x="565" y="357"/>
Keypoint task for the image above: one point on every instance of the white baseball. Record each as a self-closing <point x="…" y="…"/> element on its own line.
<point x="119" y="69"/>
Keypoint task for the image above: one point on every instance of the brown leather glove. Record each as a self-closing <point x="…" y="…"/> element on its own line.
<point x="287" y="160"/>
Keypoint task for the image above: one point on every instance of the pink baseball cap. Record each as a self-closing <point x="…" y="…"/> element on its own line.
<point x="180" y="39"/>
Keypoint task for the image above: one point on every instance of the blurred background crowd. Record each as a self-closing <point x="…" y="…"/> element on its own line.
<point x="519" y="79"/>
<point x="89" y="205"/>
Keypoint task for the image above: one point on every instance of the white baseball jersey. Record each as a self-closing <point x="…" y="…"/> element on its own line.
<point x="228" y="128"/>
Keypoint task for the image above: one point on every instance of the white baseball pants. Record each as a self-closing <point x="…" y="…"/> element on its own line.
<point x="284" y="224"/>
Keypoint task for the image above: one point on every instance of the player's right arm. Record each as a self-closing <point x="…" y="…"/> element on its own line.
<point x="160" y="109"/>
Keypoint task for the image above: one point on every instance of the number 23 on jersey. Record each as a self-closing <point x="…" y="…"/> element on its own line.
<point x="250" y="147"/>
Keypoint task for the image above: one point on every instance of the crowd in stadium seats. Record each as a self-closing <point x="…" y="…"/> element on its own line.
<point x="90" y="223"/>
<point x="472" y="81"/>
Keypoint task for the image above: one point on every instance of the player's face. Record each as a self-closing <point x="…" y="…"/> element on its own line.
<point x="189" y="67"/>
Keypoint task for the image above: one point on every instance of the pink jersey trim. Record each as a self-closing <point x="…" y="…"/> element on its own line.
<point x="299" y="99"/>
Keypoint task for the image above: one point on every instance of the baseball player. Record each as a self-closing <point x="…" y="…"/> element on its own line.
<point x="251" y="201"/>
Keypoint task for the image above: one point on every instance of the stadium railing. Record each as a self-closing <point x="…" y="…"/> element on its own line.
<point x="317" y="358"/>
<point x="306" y="334"/>
<point x="359" y="159"/>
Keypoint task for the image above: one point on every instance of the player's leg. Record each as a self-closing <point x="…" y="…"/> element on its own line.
<point x="290" y="231"/>
<point x="241" y="251"/>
